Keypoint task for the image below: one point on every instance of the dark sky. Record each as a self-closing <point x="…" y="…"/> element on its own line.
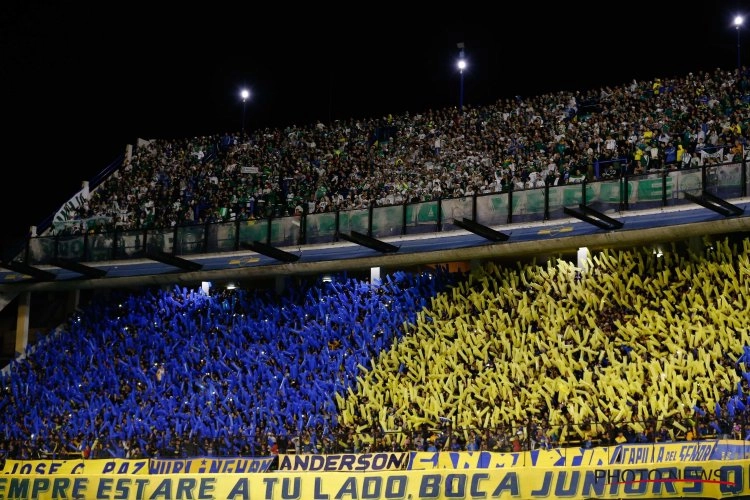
<point x="79" y="82"/>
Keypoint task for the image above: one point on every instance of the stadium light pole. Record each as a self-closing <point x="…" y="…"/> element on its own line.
<point x="461" y="67"/>
<point x="245" y="94"/>
<point x="738" y="20"/>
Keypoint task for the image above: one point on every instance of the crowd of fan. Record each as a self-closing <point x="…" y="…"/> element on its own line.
<point x="515" y="143"/>
<point x="142" y="374"/>
<point x="499" y="359"/>
<point x="354" y="366"/>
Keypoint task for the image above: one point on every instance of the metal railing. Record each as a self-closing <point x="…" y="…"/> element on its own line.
<point x="98" y="241"/>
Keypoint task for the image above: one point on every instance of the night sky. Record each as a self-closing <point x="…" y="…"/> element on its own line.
<point x="79" y="82"/>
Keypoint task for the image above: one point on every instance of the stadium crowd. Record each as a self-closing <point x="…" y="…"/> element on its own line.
<point x="639" y="347"/>
<point x="516" y="143"/>
<point x="651" y="345"/>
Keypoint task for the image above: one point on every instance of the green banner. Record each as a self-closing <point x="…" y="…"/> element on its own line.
<point x="387" y="219"/>
<point x="608" y="192"/>
<point x="651" y="189"/>
<point x="573" y="195"/>
<point x="354" y="220"/>
<point x="499" y="203"/>
<point x="422" y="213"/>
<point x="535" y="201"/>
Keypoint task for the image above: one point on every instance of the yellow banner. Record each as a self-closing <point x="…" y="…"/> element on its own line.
<point x="712" y="479"/>
<point x="690" y="451"/>
<point x="78" y="466"/>
<point x="558" y="457"/>
<point x="141" y="466"/>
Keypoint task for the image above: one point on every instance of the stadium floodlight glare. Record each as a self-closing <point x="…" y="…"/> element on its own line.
<point x="738" y="20"/>
<point x="245" y="94"/>
<point x="461" y="67"/>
